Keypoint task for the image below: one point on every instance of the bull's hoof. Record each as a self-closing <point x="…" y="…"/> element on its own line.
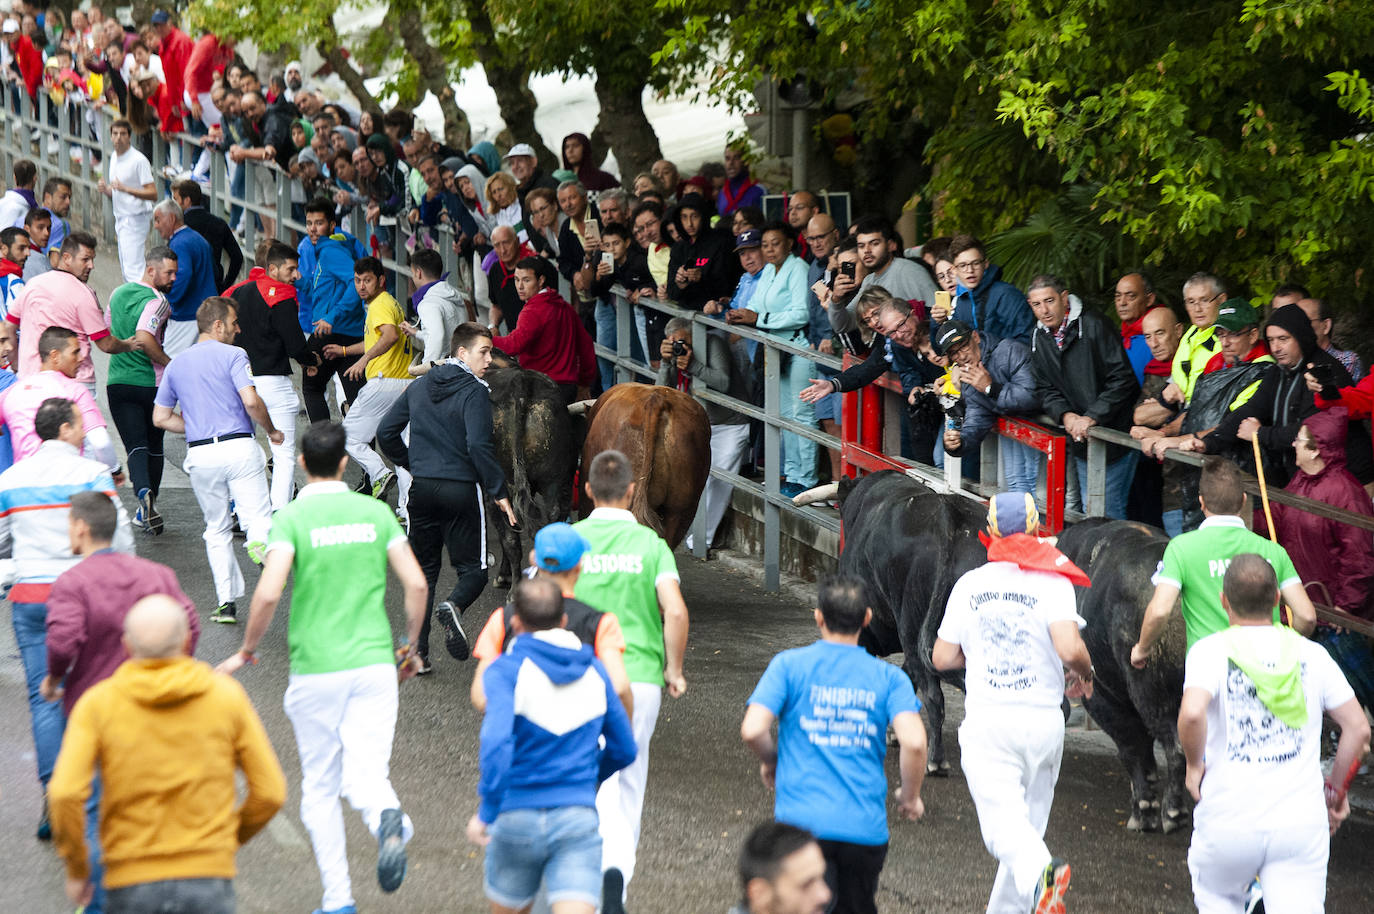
<point x="1175" y="819"/>
<point x="937" y="769"/>
<point x="1145" y="817"/>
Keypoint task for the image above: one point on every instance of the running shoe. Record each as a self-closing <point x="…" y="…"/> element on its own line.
<point x="612" y="892"/>
<point x="346" y="909"/>
<point x="364" y="484"/>
<point x="137" y="521"/>
<point x="383" y="484"/>
<point x="1050" y="891"/>
<point x="391" y="851"/>
<point x="148" y="511"/>
<point x="425" y="667"/>
<point x="226" y="613"/>
<point x="455" y="640"/>
<point x="257" y="551"/>
<point x="790" y="489"/>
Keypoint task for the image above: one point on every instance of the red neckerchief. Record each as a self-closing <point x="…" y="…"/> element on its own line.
<point x="1158" y="368"/>
<point x="1218" y="361"/>
<point x="10" y="268"/>
<point x="1032" y="554"/>
<point x="684" y="381"/>
<point x="732" y="198"/>
<point x="506" y="276"/>
<point x="1135" y="327"/>
<point x="254" y="274"/>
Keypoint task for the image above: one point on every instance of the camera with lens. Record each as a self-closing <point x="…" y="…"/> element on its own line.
<point x="680" y="348"/>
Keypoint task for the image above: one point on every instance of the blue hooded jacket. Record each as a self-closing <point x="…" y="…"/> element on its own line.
<point x="996" y="307"/>
<point x="325" y="290"/>
<point x="195" y="280"/>
<point x="549" y="701"/>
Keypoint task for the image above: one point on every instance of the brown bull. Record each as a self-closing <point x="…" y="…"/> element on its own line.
<point x="667" y="438"/>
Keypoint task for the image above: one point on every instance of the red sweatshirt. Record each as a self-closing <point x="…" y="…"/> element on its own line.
<point x="86" y="611"/>
<point x="549" y="337"/>
<point x="207" y="56"/>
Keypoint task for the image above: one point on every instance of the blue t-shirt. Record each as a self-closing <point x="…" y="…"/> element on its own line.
<point x="6" y="439"/>
<point x="833" y="703"/>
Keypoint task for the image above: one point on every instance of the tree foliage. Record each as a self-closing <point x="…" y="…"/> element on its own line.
<point x="1223" y="135"/>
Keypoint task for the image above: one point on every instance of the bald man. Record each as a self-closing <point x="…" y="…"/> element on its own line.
<point x="1156" y="493"/>
<point x="801" y="209"/>
<point x="163" y="714"/>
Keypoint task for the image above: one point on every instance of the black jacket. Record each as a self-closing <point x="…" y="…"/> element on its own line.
<point x="221" y="240"/>
<point x="270" y="327"/>
<point x="1090" y="376"/>
<point x="276" y="130"/>
<point x="1282" y="402"/>
<point x="449" y="414"/>
<point x="709" y="252"/>
<point x="571" y="255"/>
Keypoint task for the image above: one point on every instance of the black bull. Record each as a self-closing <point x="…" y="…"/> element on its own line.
<point x="909" y="545"/>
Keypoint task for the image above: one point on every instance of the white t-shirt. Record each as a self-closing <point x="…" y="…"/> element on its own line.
<point x="1260" y="771"/>
<point x="1000" y="615"/>
<point x="132" y="170"/>
<point x="127" y="68"/>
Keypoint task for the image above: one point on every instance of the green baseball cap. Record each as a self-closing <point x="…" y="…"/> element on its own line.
<point x="1237" y="314"/>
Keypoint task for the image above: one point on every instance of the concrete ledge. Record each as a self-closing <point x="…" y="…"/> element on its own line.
<point x="808" y="552"/>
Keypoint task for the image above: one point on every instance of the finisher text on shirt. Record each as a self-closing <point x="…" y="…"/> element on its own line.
<point x="343" y="535"/>
<point x="839" y="717"/>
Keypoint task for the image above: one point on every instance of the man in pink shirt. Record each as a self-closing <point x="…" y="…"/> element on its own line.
<point x="61" y="298"/>
<point x="20" y="401"/>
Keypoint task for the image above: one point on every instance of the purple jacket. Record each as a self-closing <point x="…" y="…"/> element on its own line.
<point x="86" y="612"/>
<point x="1338" y="555"/>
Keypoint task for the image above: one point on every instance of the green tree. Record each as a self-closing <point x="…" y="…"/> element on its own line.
<point x="1214" y="134"/>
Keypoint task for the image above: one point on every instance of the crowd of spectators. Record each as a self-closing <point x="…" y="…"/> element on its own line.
<point x="1204" y="372"/>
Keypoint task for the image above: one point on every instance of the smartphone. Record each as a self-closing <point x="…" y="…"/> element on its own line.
<point x="593" y="232"/>
<point x="608" y="260"/>
<point x="849" y="268"/>
<point x="942" y="303"/>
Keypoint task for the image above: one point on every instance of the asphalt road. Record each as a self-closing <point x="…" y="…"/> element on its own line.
<point x="704" y="793"/>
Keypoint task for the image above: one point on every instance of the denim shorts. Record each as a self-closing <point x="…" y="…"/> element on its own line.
<point x="559" y="846"/>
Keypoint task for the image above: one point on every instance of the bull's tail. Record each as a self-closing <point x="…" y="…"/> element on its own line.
<point x="640" y="507"/>
<point x="521" y="492"/>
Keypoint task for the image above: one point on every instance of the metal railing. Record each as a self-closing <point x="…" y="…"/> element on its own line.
<point x="52" y="135"/>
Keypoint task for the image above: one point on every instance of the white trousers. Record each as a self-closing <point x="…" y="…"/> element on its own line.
<point x="132" y="232"/>
<point x="360" y="425"/>
<point x="179" y="336"/>
<point x="221" y="471"/>
<point x="344" y="723"/>
<point x="279" y="396"/>
<point x="1290" y="863"/>
<point x="1010" y="758"/>
<point x="727" y="452"/>
<point x="620" y="801"/>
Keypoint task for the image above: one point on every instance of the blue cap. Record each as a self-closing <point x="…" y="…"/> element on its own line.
<point x="160" y="16"/>
<point x="749" y="238"/>
<point x="1012" y="512"/>
<point x="558" y="547"/>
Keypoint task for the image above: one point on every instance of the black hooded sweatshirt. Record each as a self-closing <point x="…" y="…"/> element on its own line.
<point x="707" y="251"/>
<point x="1282" y="402"/>
<point x="449" y="414"/>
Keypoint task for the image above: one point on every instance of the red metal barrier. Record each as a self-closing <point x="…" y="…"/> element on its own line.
<point x="861" y="443"/>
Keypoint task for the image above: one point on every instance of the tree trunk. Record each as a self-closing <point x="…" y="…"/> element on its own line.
<point x="511" y="83"/>
<point x="330" y="48"/>
<point x="434" y="74"/>
<point x="627" y="129"/>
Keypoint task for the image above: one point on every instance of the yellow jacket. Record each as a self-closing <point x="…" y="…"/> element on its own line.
<point x="168" y="736"/>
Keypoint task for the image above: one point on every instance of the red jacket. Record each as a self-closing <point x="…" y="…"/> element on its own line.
<point x="207" y="56"/>
<point x="1338" y="555"/>
<point x="175" y="51"/>
<point x="549" y="337"/>
<point x="86" y="611"/>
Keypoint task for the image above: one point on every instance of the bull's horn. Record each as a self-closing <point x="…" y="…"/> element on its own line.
<point x="580" y="407"/>
<point x="820" y="493"/>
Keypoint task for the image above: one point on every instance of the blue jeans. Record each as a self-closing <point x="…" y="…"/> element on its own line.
<point x="30" y="632"/>
<point x="1020" y="465"/>
<point x="1173" y="522"/>
<point x="238" y="189"/>
<point x="174" y="896"/>
<point x="605" y="335"/>
<point x="1119" y="477"/>
<point x="799" y="454"/>
<point x="560" y="846"/>
<point x="97" y="858"/>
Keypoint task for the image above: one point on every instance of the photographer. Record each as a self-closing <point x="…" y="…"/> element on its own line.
<point x="684" y="369"/>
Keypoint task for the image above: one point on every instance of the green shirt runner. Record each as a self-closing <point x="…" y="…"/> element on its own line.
<point x="338" y="600"/>
<point x="1196" y="563"/>
<point x="134" y="307"/>
<point x="620" y="575"/>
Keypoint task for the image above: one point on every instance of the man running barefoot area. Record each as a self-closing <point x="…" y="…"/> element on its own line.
<point x="219" y="404"/>
<point x="342" y="695"/>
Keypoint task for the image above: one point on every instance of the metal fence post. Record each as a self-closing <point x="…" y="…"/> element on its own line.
<point x="988" y="456"/>
<point x="772" y="454"/>
<point x="624" y="326"/>
<point x="700" y="535"/>
<point x="1095" y="499"/>
<point x="250" y="198"/>
<point x="283" y="202"/>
